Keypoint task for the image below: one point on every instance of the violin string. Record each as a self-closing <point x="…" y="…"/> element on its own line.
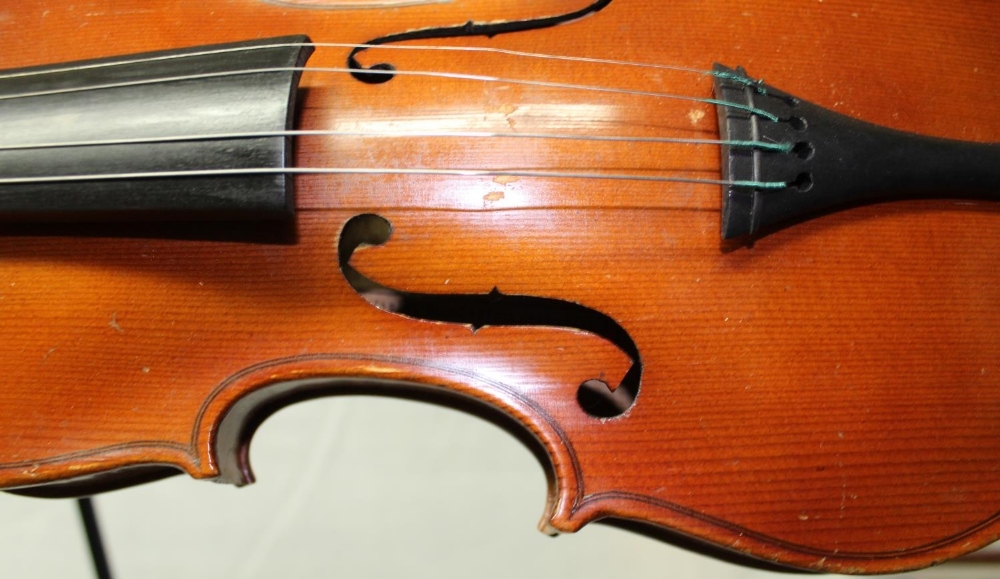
<point x="780" y="147"/>
<point x="416" y="73"/>
<point x="241" y="172"/>
<point x="760" y="145"/>
<point x="470" y="49"/>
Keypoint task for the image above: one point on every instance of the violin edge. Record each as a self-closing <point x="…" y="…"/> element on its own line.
<point x="219" y="452"/>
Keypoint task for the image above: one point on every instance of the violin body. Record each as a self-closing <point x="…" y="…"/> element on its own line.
<point x="826" y="397"/>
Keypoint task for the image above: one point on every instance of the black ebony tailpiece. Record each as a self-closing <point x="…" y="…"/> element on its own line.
<point x="834" y="161"/>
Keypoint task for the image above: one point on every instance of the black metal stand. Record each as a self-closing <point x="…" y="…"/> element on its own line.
<point x="90" y="525"/>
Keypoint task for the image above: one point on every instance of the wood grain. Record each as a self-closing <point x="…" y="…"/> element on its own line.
<point x="827" y="397"/>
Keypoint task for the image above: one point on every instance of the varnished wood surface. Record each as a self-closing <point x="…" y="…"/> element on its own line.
<point x="826" y="398"/>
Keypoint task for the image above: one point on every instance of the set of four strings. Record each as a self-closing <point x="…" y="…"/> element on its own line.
<point x="751" y="144"/>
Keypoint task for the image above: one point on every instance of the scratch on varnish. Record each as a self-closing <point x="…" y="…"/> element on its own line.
<point x="506" y="179"/>
<point x="114" y="325"/>
<point x="696" y="115"/>
<point x="507" y="110"/>
<point x="493" y="196"/>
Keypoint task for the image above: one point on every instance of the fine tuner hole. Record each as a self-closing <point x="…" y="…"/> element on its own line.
<point x="798" y="123"/>
<point x="803" y="150"/>
<point x="804" y="182"/>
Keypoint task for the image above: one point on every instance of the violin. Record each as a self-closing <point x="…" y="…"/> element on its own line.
<point x="759" y="314"/>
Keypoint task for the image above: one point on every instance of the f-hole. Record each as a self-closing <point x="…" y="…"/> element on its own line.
<point x="469" y="29"/>
<point x="494" y="308"/>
